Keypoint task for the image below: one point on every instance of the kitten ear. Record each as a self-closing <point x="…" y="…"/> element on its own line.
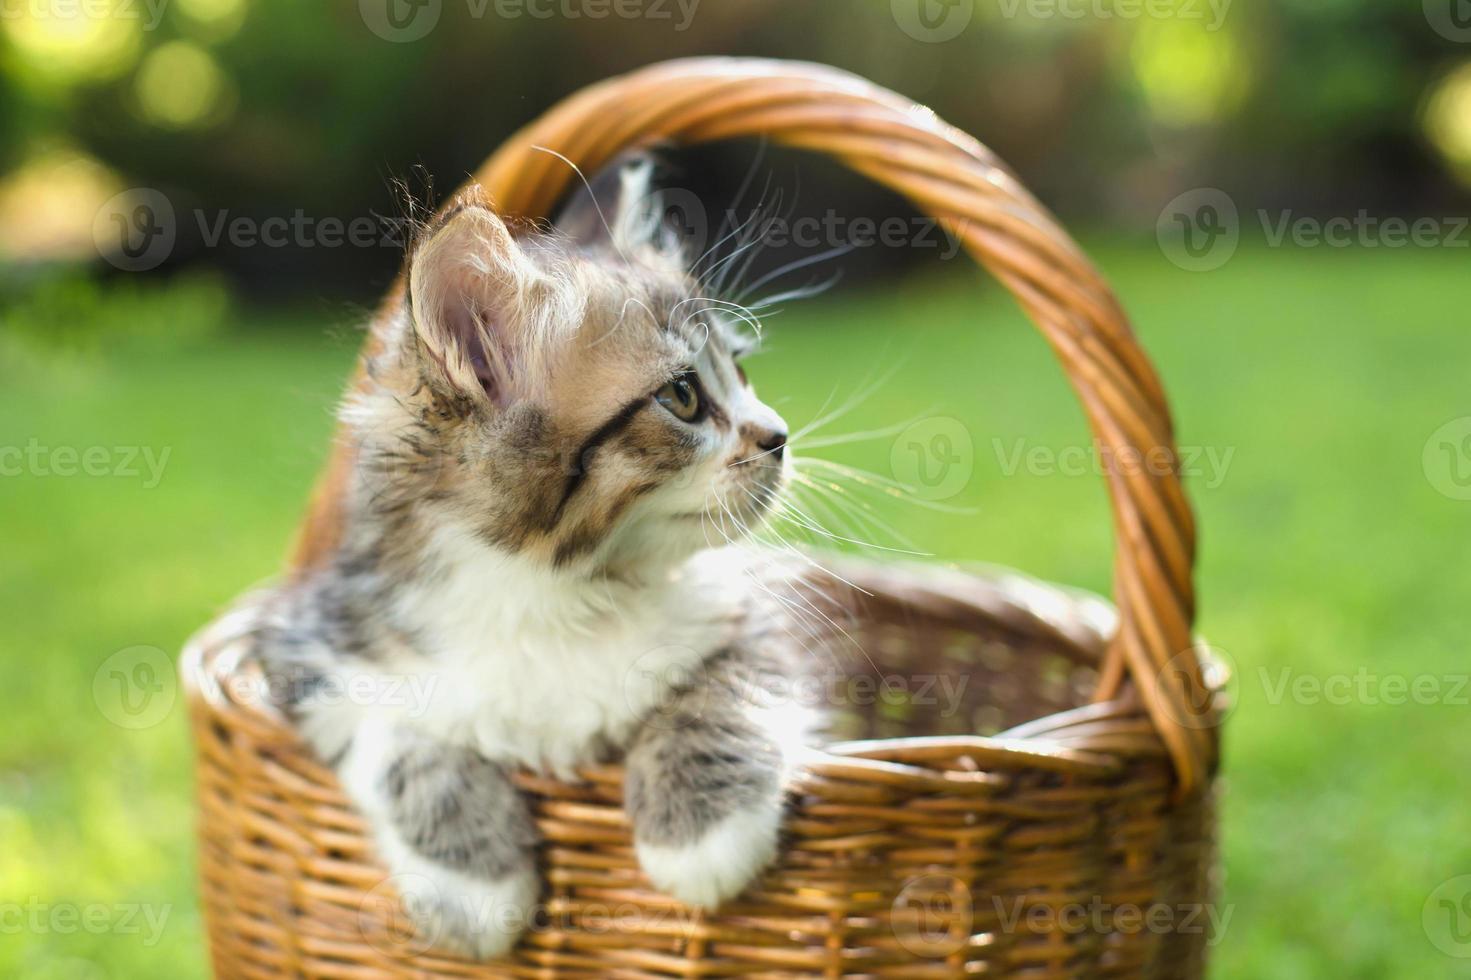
<point x="619" y="209"/>
<point x="463" y="283"/>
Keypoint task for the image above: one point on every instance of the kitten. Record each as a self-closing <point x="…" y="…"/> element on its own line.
<point x="555" y="432"/>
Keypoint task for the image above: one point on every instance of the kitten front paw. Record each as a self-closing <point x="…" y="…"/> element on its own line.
<point x="455" y="913"/>
<point x="720" y="863"/>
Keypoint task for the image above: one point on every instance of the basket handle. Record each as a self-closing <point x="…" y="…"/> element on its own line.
<point x="958" y="181"/>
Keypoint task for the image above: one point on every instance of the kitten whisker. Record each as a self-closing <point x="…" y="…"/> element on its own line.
<point x="802" y="617"/>
<point x="727" y="270"/>
<point x="736" y="231"/>
<point x="738" y="228"/>
<point x="800" y="293"/>
<point x="831" y="253"/>
<point x="622" y="315"/>
<point x="805" y="603"/>
<point x="598" y="208"/>
<point x="806" y="521"/>
<point x="858" y="398"/>
<point x="848" y="509"/>
<point x="740" y="312"/>
<point x="885" y="486"/>
<point x="749" y="459"/>
<point x="717" y="284"/>
<point x="849" y="437"/>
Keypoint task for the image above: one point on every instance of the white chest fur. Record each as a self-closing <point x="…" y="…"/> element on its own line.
<point x="535" y="668"/>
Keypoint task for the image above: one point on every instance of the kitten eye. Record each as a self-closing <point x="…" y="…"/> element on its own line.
<point x="682" y="397"/>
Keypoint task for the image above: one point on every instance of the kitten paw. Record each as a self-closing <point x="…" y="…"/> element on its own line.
<point x="456" y="913"/>
<point x="720" y="863"/>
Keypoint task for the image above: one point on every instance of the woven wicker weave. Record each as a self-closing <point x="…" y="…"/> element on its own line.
<point x="1077" y="842"/>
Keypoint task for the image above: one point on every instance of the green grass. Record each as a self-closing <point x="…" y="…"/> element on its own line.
<point x="1325" y="551"/>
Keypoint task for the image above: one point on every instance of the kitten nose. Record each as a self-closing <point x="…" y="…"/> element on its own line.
<point x="773" y="441"/>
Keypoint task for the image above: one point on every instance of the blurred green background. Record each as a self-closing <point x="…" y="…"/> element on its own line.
<point x="163" y="411"/>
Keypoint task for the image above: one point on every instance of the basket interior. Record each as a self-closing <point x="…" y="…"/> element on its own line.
<point x="925" y="651"/>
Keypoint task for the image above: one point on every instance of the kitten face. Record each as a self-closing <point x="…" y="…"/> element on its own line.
<point x="578" y="405"/>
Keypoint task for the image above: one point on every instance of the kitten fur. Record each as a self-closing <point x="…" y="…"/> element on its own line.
<point x="542" y="567"/>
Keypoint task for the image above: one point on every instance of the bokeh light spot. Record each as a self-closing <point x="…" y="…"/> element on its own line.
<point x="1189" y="75"/>
<point x="179" y="86"/>
<point x="212" y="20"/>
<point x="48" y="204"/>
<point x="1448" y="120"/>
<point x="75" y="42"/>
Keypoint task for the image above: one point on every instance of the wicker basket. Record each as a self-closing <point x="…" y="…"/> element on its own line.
<point x="1075" y="841"/>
